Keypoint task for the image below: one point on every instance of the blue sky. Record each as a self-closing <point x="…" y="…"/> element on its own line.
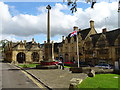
<point x="26" y="20"/>
<point x="32" y="7"/>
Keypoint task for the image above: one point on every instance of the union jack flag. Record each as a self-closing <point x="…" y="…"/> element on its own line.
<point x="73" y="33"/>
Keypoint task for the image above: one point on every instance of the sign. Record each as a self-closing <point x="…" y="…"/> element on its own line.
<point x="116" y="65"/>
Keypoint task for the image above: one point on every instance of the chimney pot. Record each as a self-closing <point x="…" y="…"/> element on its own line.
<point x="104" y="30"/>
<point x="79" y="30"/>
<point x="62" y="38"/>
<point x="75" y="28"/>
<point x="32" y="40"/>
<point x="21" y="42"/>
<point x="24" y="41"/>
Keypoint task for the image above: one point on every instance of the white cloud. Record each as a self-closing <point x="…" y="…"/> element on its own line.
<point x="61" y="24"/>
<point x="104" y="14"/>
<point x="10" y="37"/>
<point x="14" y="38"/>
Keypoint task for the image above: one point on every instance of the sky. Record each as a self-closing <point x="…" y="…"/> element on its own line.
<point x="27" y="20"/>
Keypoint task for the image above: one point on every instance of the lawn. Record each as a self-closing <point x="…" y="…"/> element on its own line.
<point x="28" y="65"/>
<point x="67" y="67"/>
<point x="101" y="81"/>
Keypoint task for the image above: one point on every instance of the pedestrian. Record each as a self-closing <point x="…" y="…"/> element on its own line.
<point x="62" y="64"/>
<point x="73" y="60"/>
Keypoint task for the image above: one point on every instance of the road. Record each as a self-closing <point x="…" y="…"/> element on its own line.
<point x="14" y="78"/>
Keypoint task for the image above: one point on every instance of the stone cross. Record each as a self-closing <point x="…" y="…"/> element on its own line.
<point x="48" y="25"/>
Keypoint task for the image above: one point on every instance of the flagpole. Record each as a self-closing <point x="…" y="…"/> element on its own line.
<point x="77" y="51"/>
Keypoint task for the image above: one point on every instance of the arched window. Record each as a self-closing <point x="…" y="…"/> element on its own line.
<point x="66" y="57"/>
<point x="35" y="57"/>
<point x="21" y="57"/>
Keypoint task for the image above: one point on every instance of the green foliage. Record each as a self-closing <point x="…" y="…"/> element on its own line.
<point x="101" y="81"/>
<point x="27" y="65"/>
<point x="67" y="67"/>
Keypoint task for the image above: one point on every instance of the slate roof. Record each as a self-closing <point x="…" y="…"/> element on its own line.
<point x="83" y="33"/>
<point x="14" y="45"/>
<point x="110" y="36"/>
<point x="27" y="46"/>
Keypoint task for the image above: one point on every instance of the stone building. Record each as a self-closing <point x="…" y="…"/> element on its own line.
<point x="68" y="46"/>
<point x="23" y="52"/>
<point x="93" y="47"/>
<point x="103" y="47"/>
<point x="27" y="52"/>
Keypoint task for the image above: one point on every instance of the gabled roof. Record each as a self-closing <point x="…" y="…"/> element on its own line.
<point x="83" y="33"/>
<point x="95" y="38"/>
<point x="14" y="45"/>
<point x="27" y="46"/>
<point x="110" y="36"/>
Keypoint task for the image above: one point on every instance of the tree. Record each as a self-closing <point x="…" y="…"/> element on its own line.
<point x="3" y="43"/>
<point x="73" y="3"/>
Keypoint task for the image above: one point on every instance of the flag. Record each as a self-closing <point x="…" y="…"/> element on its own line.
<point x="73" y="33"/>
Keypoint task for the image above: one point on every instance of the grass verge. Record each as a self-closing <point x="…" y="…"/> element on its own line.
<point x="28" y="65"/>
<point x="67" y="67"/>
<point x="101" y="81"/>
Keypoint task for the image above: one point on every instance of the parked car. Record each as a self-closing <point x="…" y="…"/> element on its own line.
<point x="84" y="64"/>
<point x="104" y="65"/>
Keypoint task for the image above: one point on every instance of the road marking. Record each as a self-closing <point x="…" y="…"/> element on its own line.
<point x="36" y="82"/>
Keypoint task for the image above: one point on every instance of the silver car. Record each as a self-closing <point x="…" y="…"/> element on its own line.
<point x="104" y="65"/>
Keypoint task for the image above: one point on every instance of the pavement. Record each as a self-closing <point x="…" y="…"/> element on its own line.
<point x="56" y="78"/>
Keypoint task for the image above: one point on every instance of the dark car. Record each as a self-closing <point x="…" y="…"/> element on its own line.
<point x="84" y="64"/>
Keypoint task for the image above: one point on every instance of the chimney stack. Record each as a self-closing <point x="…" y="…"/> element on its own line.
<point x="62" y="38"/>
<point x="21" y="42"/>
<point x="32" y="40"/>
<point x="25" y="42"/>
<point x="79" y="30"/>
<point x="75" y="28"/>
<point x="91" y="24"/>
<point x="104" y="30"/>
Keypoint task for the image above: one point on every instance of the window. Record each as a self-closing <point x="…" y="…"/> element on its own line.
<point x="89" y="52"/>
<point x="117" y="50"/>
<point x="119" y="41"/>
<point x="103" y="51"/>
<point x="66" y="48"/>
